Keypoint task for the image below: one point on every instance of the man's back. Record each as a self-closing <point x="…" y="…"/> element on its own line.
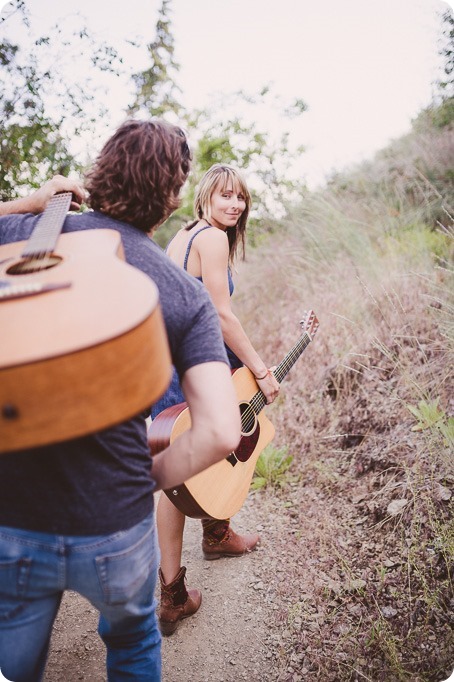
<point x="101" y="483"/>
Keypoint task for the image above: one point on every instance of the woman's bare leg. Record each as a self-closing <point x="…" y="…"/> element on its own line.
<point x="170" y="522"/>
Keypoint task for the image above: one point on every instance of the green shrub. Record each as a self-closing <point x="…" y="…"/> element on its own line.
<point x="271" y="468"/>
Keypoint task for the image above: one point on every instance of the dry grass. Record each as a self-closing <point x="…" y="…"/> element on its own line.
<point x="367" y="415"/>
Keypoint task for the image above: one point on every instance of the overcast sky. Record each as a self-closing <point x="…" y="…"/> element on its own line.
<point x="364" y="67"/>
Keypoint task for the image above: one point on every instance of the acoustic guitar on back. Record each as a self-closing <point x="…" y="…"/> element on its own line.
<point x="83" y="344"/>
<point x="219" y="492"/>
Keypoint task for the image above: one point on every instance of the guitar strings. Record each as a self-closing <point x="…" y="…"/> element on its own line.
<point x="258" y="401"/>
<point x="42" y="242"/>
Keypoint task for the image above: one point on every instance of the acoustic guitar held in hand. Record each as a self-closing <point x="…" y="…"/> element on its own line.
<point x="220" y="491"/>
<point x="83" y="341"/>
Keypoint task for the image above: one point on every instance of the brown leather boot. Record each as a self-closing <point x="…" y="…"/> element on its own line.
<point x="176" y="602"/>
<point x="220" y="540"/>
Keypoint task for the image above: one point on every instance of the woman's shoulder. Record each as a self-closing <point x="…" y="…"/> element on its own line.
<point x="212" y="244"/>
<point x="209" y="233"/>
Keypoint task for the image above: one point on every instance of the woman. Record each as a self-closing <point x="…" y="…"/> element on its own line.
<point x="206" y="249"/>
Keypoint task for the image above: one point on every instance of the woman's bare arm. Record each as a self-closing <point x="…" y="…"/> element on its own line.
<point x="213" y="251"/>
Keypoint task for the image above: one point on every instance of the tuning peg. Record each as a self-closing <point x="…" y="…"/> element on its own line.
<point x="303" y="321"/>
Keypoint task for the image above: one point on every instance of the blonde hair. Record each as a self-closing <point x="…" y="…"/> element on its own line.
<point x="220" y="175"/>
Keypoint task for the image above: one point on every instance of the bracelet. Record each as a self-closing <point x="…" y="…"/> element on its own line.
<point x="264" y="376"/>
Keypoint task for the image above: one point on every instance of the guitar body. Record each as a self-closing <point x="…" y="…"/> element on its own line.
<point x="84" y="355"/>
<point x="218" y="492"/>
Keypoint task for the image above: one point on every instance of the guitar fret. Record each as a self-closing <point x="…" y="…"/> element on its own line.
<point x="258" y="401"/>
<point x="287" y="363"/>
<point x="44" y="238"/>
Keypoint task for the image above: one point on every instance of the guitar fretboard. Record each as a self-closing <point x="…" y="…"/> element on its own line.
<point x="44" y="238"/>
<point x="258" y="401"/>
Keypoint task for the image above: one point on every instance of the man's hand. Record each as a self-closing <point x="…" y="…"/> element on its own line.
<point x="59" y="183"/>
<point x="37" y="202"/>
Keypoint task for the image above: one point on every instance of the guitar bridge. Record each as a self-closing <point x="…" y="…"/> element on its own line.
<point x="232" y="459"/>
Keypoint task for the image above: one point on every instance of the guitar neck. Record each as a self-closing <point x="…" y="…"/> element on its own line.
<point x="258" y="401"/>
<point x="45" y="235"/>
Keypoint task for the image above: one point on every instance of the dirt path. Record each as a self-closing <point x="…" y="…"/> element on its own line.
<point x="224" y="641"/>
<point x="302" y="607"/>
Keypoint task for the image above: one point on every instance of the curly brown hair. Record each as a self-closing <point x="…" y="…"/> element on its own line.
<point x="139" y="173"/>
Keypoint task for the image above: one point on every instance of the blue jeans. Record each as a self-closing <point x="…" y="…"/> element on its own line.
<point x="116" y="573"/>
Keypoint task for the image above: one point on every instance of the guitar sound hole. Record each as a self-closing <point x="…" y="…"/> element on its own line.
<point x="30" y="265"/>
<point x="248" y="419"/>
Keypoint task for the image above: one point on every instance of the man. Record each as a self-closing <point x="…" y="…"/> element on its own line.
<point x="79" y="515"/>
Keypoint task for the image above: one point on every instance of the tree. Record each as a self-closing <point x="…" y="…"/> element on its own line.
<point x="41" y="112"/>
<point x="31" y="147"/>
<point x="216" y="137"/>
<point x="440" y="113"/>
<point x="238" y="140"/>
<point x="447" y="53"/>
<point x="156" y="87"/>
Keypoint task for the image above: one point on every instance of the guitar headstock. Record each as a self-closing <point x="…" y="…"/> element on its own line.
<point x="309" y="323"/>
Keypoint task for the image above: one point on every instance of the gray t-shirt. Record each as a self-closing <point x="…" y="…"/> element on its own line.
<point x="101" y="483"/>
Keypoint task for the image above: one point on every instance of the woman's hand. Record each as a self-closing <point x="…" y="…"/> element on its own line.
<point x="269" y="386"/>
